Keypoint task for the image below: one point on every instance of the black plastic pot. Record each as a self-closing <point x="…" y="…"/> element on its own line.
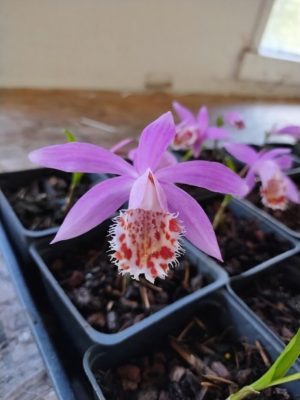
<point x="80" y="331"/>
<point x="20" y="236"/>
<point x="290" y="266"/>
<point x="219" y="310"/>
<point x="295" y="175"/>
<point x="240" y="209"/>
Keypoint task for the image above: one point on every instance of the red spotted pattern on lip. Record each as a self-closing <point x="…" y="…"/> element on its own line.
<point x="239" y="124"/>
<point x="274" y="194"/>
<point x="145" y="242"/>
<point x="184" y="138"/>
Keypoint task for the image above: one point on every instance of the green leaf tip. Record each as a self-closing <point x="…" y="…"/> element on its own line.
<point x="283" y="363"/>
<point x="70" y="136"/>
<point x="230" y="163"/>
<point x="276" y="374"/>
<point x="220" y="121"/>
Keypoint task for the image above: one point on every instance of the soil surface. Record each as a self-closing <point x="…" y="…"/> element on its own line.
<point x="289" y="217"/>
<point x="197" y="364"/>
<point x="242" y="242"/>
<point x="110" y="302"/>
<point x="205" y="155"/>
<point x="40" y="203"/>
<point x="212" y="155"/>
<point x="275" y="298"/>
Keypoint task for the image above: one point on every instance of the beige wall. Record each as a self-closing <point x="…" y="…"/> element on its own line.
<point x="125" y="44"/>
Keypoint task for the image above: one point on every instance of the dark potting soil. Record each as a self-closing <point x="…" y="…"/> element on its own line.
<point x="212" y="155"/>
<point x="198" y="364"/>
<point x="242" y="242"/>
<point x="40" y="204"/>
<point x="196" y="192"/>
<point x="289" y="217"/>
<point x="111" y="302"/>
<point x="275" y="298"/>
<point x="205" y="155"/>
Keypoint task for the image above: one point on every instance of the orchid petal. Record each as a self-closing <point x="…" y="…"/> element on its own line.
<point x="131" y="154"/>
<point x="206" y="174"/>
<point x="271" y="154"/>
<point x="284" y="162"/>
<point x="120" y="145"/>
<point x="197" y="225"/>
<point x="215" y="133"/>
<point x="292" y="191"/>
<point x="266" y="170"/>
<point x="95" y="206"/>
<point x="183" y="113"/>
<point x="197" y="147"/>
<point x="242" y="152"/>
<point x="146" y="193"/>
<point x="203" y="119"/>
<point x="167" y="159"/>
<point x="154" y="141"/>
<point x="293" y="130"/>
<point x="81" y="157"/>
<point x="250" y="179"/>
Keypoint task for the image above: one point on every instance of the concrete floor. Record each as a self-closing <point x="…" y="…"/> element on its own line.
<point x="33" y="118"/>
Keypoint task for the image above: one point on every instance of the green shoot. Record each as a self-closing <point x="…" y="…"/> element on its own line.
<point x="187" y="156"/>
<point x="227" y="199"/>
<point x="277" y="373"/>
<point x="76" y="176"/>
<point x="220" y="213"/>
<point x="220" y="121"/>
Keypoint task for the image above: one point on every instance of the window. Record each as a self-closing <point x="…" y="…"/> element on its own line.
<point x="275" y="52"/>
<point x="281" y="37"/>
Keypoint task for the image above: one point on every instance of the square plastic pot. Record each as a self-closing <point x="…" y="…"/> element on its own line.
<point x="36" y="319"/>
<point x="220" y="311"/>
<point x="20" y="236"/>
<point x="242" y="210"/>
<point x="291" y="276"/>
<point x="80" y="331"/>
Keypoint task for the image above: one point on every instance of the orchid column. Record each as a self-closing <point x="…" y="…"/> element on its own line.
<point x="145" y="238"/>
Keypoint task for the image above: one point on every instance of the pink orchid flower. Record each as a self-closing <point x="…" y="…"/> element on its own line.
<point x="146" y="236"/>
<point x="193" y="131"/>
<point x="234" y="119"/>
<point x="276" y="187"/>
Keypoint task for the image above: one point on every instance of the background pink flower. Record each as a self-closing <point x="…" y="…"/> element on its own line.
<point x="193" y="131"/>
<point x="276" y="187"/>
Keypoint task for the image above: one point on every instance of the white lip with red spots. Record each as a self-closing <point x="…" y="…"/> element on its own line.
<point x="274" y="193"/>
<point x="145" y="242"/>
<point x="185" y="138"/>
